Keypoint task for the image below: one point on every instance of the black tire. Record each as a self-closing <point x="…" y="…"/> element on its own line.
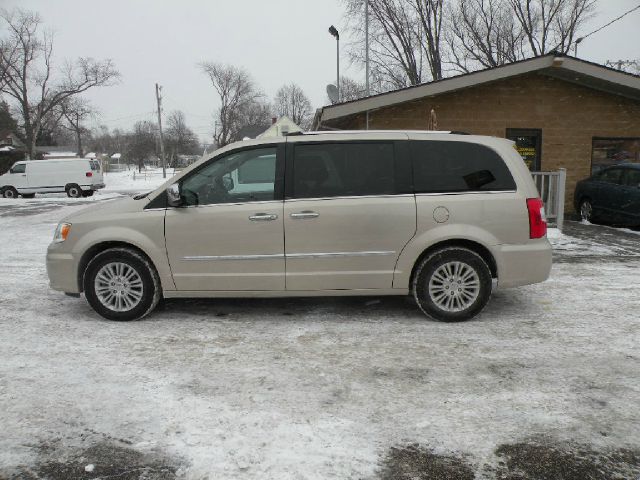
<point x="469" y="303"/>
<point x="9" y="192"/>
<point x="151" y="289"/>
<point x="74" y="191"/>
<point x="28" y="195"/>
<point x="585" y="210"/>
<point x="87" y="193"/>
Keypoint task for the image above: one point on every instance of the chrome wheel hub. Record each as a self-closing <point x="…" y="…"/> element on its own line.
<point x="454" y="286"/>
<point x="585" y="211"/>
<point x="118" y="286"/>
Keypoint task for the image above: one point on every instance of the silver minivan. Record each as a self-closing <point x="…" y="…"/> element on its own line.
<point x="443" y="217"/>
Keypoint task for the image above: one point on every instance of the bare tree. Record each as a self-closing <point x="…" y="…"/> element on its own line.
<point x="142" y="142"/>
<point x="551" y="24"/>
<point x="483" y="34"/>
<point x="179" y="138"/>
<point x="75" y="112"/>
<point x="33" y="84"/>
<point x="489" y="33"/>
<point x="291" y="101"/>
<point x="238" y="99"/>
<point x="405" y="40"/>
<point x="628" y="66"/>
<point x="351" y="90"/>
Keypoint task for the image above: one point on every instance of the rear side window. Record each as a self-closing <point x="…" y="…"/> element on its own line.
<point x="343" y="169"/>
<point x="441" y="167"/>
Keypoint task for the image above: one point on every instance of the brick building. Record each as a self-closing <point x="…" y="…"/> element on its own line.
<point x="561" y="112"/>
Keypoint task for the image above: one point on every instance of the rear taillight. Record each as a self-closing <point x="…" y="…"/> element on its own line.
<point x="89" y="174"/>
<point x="537" y="219"/>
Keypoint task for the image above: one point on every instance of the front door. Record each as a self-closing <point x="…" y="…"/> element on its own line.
<point x="228" y="235"/>
<point x="345" y="220"/>
<point x="528" y="144"/>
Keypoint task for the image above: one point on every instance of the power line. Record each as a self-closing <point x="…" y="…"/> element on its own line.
<point x="607" y="24"/>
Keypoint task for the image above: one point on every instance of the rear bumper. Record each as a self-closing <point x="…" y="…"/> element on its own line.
<point x="523" y="264"/>
<point x="97" y="186"/>
<point x="61" y="269"/>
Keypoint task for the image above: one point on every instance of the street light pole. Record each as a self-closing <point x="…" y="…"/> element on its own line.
<point x="334" y="31"/>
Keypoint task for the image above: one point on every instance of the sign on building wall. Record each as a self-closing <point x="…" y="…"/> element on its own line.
<point x="528" y="144"/>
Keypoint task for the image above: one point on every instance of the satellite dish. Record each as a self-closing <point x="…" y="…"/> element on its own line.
<point x="332" y="91"/>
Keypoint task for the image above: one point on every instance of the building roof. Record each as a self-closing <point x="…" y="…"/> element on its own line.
<point x="565" y="67"/>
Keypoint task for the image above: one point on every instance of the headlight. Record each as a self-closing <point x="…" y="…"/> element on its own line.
<point x="62" y="231"/>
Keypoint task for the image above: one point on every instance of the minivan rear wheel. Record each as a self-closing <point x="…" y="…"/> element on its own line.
<point x="452" y="284"/>
<point x="10" y="192"/>
<point x="121" y="284"/>
<point x="74" y="191"/>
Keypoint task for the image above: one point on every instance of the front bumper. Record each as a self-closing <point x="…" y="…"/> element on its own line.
<point x="523" y="264"/>
<point x="61" y="269"/>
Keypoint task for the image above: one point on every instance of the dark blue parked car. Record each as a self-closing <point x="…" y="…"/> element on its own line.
<point x="611" y="195"/>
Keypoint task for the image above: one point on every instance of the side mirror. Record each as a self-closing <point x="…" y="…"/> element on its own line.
<point x="228" y="183"/>
<point x="11" y="170"/>
<point x="174" y="197"/>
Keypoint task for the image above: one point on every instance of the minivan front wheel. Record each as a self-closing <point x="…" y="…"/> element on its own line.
<point x="121" y="284"/>
<point x="452" y="284"/>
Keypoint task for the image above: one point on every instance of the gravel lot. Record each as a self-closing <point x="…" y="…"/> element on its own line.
<point x="544" y="384"/>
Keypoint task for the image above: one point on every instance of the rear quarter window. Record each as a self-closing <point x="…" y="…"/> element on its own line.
<point x="443" y="166"/>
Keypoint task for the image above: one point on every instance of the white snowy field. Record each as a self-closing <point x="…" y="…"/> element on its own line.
<point x="311" y="388"/>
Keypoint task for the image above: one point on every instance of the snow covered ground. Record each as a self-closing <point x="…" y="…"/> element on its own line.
<point x="315" y="388"/>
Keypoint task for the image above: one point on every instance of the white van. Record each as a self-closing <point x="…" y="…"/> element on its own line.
<point x="75" y="176"/>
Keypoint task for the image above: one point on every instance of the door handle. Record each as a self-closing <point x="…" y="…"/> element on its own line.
<point x="305" y="214"/>
<point x="263" y="217"/>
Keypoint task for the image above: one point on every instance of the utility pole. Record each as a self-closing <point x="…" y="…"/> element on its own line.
<point x="159" y="99"/>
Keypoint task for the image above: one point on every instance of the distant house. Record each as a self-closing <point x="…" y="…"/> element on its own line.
<point x="10" y="139"/>
<point x="280" y="127"/>
<point x="55" y="151"/>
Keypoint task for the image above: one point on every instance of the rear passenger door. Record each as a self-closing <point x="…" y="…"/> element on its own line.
<point x="348" y="214"/>
<point x="609" y="196"/>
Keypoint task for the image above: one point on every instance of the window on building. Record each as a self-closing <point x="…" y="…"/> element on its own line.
<point x="440" y="167"/>
<point x="606" y="152"/>
<point x="349" y="169"/>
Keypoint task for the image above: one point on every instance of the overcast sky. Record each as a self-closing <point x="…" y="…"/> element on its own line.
<point x="278" y="41"/>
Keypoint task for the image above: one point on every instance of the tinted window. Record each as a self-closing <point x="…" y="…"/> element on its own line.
<point x="237" y="177"/>
<point x="19" y="168"/>
<point x="457" y="167"/>
<point x="612" y="175"/>
<point x="95" y="165"/>
<point x="347" y="169"/>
